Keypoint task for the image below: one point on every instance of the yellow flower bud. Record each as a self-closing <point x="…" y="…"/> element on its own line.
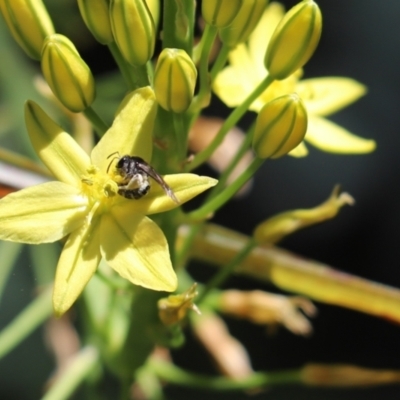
<point x="154" y="7"/>
<point x="174" y="308"/>
<point x="281" y="225"/>
<point x="96" y="17"/>
<point x="174" y="80"/>
<point x="67" y="74"/>
<point x="246" y="20"/>
<point x="133" y="29"/>
<point x="220" y="13"/>
<point x="294" y="40"/>
<point x="281" y="125"/>
<point x="29" y="23"/>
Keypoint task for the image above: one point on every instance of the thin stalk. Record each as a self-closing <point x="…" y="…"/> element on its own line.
<point x="178" y="25"/>
<point x="222" y="179"/>
<point x="123" y="66"/>
<point x="9" y="253"/>
<point x="226" y="270"/>
<point x="203" y="98"/>
<point x="140" y="74"/>
<point x="183" y="253"/>
<point x="220" y="61"/>
<point x="98" y="124"/>
<point x="180" y="136"/>
<point x="38" y="311"/>
<point x="229" y="123"/>
<point x="79" y="368"/>
<point x="175" y="375"/>
<point x="214" y="204"/>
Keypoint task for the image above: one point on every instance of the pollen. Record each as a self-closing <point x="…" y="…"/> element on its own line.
<point x="98" y="186"/>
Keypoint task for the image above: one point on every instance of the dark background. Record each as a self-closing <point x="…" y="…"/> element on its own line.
<point x="360" y="40"/>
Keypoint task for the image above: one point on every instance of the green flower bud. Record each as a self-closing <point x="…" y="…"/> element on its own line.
<point x="67" y="74"/>
<point x="281" y="125"/>
<point x="220" y="13"/>
<point x="96" y="17"/>
<point x="174" y="80"/>
<point x="294" y="40"/>
<point x="133" y="29"/>
<point x="29" y="23"/>
<point x="246" y="20"/>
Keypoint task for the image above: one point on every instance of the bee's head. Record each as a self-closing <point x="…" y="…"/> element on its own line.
<point x="124" y="163"/>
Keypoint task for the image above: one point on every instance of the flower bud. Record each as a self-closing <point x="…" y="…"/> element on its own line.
<point x="174" y="308"/>
<point x="133" y="29"/>
<point x="95" y="14"/>
<point x="294" y="40"/>
<point x="246" y="20"/>
<point x="67" y="74"/>
<point x="346" y="376"/>
<point x="281" y="125"/>
<point x="281" y="225"/>
<point x="174" y="80"/>
<point x="29" y="23"/>
<point x="220" y="13"/>
<point x="154" y="7"/>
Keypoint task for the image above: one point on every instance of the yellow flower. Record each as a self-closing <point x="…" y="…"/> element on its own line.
<point x="84" y="204"/>
<point x="321" y="96"/>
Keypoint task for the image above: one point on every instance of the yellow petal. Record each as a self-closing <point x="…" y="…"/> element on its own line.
<point x="131" y="131"/>
<point x="136" y="248"/>
<point x="185" y="187"/>
<point x="299" y="151"/>
<point x="57" y="149"/>
<point x="258" y="41"/>
<point x="324" y="96"/>
<point x="240" y="59"/>
<point x="232" y="86"/>
<point x="78" y="262"/>
<point x="333" y="138"/>
<point x="41" y="214"/>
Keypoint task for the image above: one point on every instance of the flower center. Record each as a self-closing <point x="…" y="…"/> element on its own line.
<point x="99" y="187"/>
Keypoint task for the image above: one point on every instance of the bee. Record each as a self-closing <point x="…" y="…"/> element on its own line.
<point x="136" y="173"/>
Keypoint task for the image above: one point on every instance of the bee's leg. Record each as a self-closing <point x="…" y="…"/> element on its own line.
<point x="136" y="188"/>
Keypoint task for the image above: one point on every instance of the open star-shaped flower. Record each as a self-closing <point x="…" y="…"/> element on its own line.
<point x="321" y="96"/>
<point x="84" y="203"/>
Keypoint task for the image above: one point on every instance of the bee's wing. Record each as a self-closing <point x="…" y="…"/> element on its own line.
<point x="149" y="170"/>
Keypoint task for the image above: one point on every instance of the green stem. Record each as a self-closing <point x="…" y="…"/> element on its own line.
<point x="123" y="66"/>
<point x="208" y="208"/>
<point x="140" y="74"/>
<point x="150" y="72"/>
<point x="26" y="322"/>
<point x="175" y="375"/>
<point x="222" y="179"/>
<point x="98" y="124"/>
<point x="229" y="123"/>
<point x="79" y="368"/>
<point x="9" y="252"/>
<point x="202" y="100"/>
<point x="220" y="61"/>
<point x="227" y="270"/>
<point x="178" y="25"/>
<point x="184" y="250"/>
<point x="180" y="136"/>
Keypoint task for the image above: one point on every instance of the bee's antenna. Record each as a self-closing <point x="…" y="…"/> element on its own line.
<point x="109" y="165"/>
<point x="115" y="152"/>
